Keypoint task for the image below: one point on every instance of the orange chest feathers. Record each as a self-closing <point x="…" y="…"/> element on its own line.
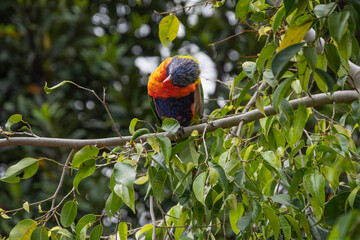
<point x="158" y="89"/>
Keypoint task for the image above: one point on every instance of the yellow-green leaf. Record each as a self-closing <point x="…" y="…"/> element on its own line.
<point x="273" y="220"/>
<point x="123" y="228"/>
<point x="141" y="180"/>
<point x="143" y="230"/>
<point x="23" y="230"/>
<point x="294" y="35"/>
<point x="49" y="90"/>
<point x="199" y="187"/>
<point x="26" y="206"/>
<point x="168" y="29"/>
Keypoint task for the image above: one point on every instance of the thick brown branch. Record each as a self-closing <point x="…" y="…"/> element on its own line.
<point x="313" y="101"/>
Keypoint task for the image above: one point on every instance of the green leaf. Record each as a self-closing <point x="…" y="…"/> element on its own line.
<point x="310" y="56"/>
<point x="222" y="175"/>
<point x="269" y="78"/>
<point x="199" y="187"/>
<point x="280" y="62"/>
<point x="26" y="206"/>
<point x="336" y="207"/>
<point x="270" y="157"/>
<point x="249" y="68"/>
<point x="151" y="140"/>
<point x="189" y="154"/>
<point x="243" y="7"/>
<point x="260" y="105"/>
<point x="235" y="82"/>
<point x="243" y="93"/>
<point x="294" y="224"/>
<point x="285" y="227"/>
<point x="181" y="222"/>
<point x="332" y="174"/>
<point x="273" y="220"/>
<point x="160" y="160"/>
<point x="352" y="196"/>
<point x="138" y="133"/>
<point x="68" y="213"/>
<point x="299" y="125"/>
<point x="124" y="173"/>
<point x="346" y="227"/>
<point x="127" y="194"/>
<point x="296" y="180"/>
<point x="346" y="46"/>
<point x="279" y="18"/>
<point x="265" y="54"/>
<point x="113" y="204"/>
<point x="288" y="4"/>
<point x="23" y="230"/>
<point x="143" y="230"/>
<point x="323" y="10"/>
<point x="170" y="125"/>
<point x="85" y="170"/>
<point x="16" y="118"/>
<point x="96" y="233"/>
<point x="244" y="222"/>
<point x="235" y="215"/>
<point x="40" y="233"/>
<point x="280" y="92"/>
<point x="85" y="154"/>
<point x="326" y="77"/>
<point x="62" y="234"/>
<point x="158" y="179"/>
<point x="168" y="29"/>
<point x="333" y="57"/>
<point x="283" y="199"/>
<point x="165" y="145"/>
<point x="213" y="176"/>
<point x="338" y="24"/>
<point x="315" y="183"/>
<point x="217" y="146"/>
<point x="123" y="229"/>
<point x="256" y="214"/>
<point x="132" y="125"/>
<point x="304" y="223"/>
<point x="49" y="90"/>
<point x="13" y="173"/>
<point x="84" y="223"/>
<point x="257" y="16"/>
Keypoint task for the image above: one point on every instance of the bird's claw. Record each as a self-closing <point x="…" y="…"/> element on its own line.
<point x="180" y="132"/>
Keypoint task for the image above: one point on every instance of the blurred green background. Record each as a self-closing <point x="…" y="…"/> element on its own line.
<point x="99" y="44"/>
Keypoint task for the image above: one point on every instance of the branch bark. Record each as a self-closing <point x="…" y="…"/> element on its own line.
<point x="347" y="96"/>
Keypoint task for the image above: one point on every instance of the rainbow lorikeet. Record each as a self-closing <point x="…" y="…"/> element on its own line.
<point x="175" y="90"/>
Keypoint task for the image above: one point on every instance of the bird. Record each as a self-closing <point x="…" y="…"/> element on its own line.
<point x="175" y="90"/>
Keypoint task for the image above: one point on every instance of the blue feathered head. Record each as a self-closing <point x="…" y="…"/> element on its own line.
<point x="183" y="71"/>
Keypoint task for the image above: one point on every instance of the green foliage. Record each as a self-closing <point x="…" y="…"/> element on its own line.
<point x="68" y="213"/>
<point x="290" y="175"/>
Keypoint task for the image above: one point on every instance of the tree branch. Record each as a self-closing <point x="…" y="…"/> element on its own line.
<point x="347" y="96"/>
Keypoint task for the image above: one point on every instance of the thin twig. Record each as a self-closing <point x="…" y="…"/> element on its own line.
<point x="205" y="145"/>
<point x="60" y="182"/>
<point x="103" y="102"/>
<point x="183" y="8"/>
<point x="232" y="36"/>
<point x="152" y="214"/>
<point x="164" y="218"/>
<point x="62" y="176"/>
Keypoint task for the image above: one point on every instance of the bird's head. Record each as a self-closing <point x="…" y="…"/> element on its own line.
<point x="182" y="71"/>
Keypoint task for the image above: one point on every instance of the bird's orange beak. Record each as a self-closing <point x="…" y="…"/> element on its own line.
<point x="167" y="79"/>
